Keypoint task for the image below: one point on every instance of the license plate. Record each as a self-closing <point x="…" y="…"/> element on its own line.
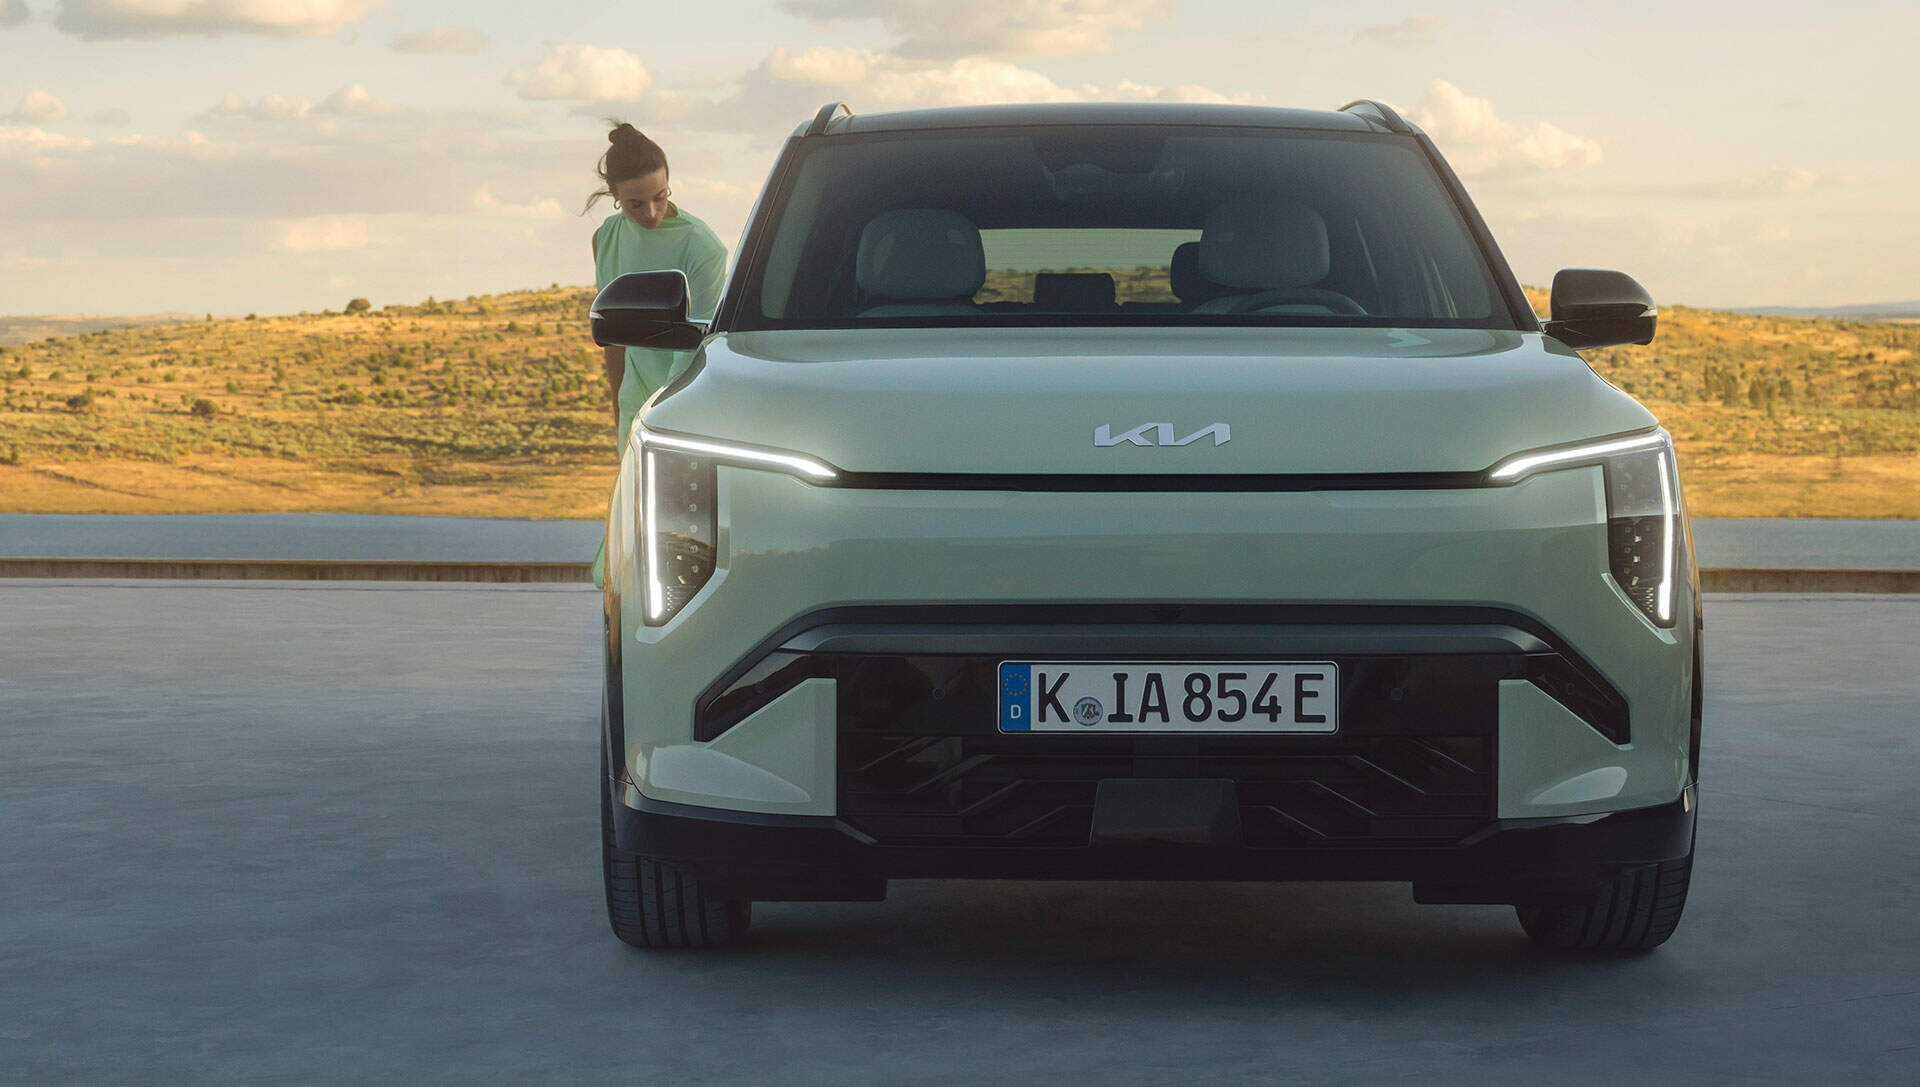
<point x="1183" y="696"/>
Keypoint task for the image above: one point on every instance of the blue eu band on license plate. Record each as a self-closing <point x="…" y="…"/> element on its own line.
<point x="1182" y="696"/>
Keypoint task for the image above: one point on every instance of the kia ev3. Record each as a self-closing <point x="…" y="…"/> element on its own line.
<point x="1142" y="492"/>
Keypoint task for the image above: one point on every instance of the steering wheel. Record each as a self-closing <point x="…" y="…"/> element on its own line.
<point x="1299" y="296"/>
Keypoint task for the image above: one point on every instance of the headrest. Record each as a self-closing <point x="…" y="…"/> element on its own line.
<point x="1072" y="292"/>
<point x="1263" y="245"/>
<point x="920" y="254"/>
<point x="1183" y="274"/>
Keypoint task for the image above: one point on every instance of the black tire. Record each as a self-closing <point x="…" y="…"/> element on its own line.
<point x="652" y="905"/>
<point x="1637" y="911"/>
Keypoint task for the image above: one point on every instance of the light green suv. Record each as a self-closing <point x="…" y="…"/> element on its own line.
<point x="1142" y="492"/>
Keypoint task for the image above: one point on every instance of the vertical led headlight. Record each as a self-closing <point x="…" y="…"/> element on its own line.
<point x="1643" y="511"/>
<point x="677" y="527"/>
<point x="1642" y="505"/>
<point x="678" y="511"/>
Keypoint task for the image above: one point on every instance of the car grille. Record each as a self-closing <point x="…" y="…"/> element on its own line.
<point x="921" y="760"/>
<point x="922" y="764"/>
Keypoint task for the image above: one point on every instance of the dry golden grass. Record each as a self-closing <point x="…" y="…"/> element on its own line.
<point x="1782" y="416"/>
<point x="496" y="407"/>
<point x="489" y="407"/>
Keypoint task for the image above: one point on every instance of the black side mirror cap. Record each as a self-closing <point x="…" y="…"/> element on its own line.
<point x="646" y="309"/>
<point x="1592" y="307"/>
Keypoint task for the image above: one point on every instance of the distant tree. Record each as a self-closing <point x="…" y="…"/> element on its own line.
<point x="80" y="401"/>
<point x="358" y="305"/>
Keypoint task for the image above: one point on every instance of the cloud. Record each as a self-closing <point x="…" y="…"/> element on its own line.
<point x="109" y="19"/>
<point x="441" y="39"/>
<point x="1414" y="30"/>
<point x="1477" y="141"/>
<point x="13" y="12"/>
<point x="353" y="100"/>
<point x="273" y="107"/>
<point x="486" y="203"/>
<point x="582" y="73"/>
<point x="943" y="29"/>
<point x="323" y="235"/>
<point x="820" y="65"/>
<point x="1781" y="179"/>
<point x="1128" y="91"/>
<point x="39" y="107"/>
<point x="113" y="116"/>
<point x="778" y="92"/>
<point x="32" y="140"/>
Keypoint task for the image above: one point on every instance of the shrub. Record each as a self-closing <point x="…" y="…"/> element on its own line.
<point x="358" y="305"/>
<point x="80" y="401"/>
<point x="204" y="409"/>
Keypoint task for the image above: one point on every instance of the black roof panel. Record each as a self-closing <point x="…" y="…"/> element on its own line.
<point x="1103" y="113"/>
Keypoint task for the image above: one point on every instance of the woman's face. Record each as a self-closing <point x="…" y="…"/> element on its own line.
<point x="644" y="199"/>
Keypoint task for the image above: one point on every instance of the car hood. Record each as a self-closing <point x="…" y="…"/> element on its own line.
<point x="1294" y="401"/>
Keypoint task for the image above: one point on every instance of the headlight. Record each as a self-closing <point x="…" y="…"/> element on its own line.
<point x="678" y="521"/>
<point x="1643" y="509"/>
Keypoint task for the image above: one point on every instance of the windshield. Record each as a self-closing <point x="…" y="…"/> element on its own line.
<point x="1116" y="224"/>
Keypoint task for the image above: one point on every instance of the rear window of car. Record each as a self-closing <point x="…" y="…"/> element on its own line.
<point x="1115" y="224"/>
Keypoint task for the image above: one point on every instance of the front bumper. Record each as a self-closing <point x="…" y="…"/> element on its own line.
<point x="775" y="857"/>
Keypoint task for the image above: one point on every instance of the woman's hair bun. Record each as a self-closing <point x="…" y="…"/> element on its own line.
<point x="631" y="155"/>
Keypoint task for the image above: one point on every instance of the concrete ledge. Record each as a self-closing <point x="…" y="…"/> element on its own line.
<point x="1738" y="580"/>
<point x="298" y="570"/>
<point x="1724" y="580"/>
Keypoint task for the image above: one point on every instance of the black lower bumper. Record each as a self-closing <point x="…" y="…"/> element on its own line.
<point x="819" y="858"/>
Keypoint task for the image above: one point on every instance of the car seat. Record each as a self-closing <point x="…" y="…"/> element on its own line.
<point x="1268" y="253"/>
<point x="920" y="262"/>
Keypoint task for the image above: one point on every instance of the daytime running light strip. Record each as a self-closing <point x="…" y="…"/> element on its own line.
<point x="1529" y="463"/>
<point x="794" y="463"/>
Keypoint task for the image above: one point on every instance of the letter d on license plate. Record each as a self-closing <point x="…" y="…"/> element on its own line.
<point x="1184" y="696"/>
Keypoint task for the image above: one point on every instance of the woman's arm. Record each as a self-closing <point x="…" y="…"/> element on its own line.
<point x="706" y="277"/>
<point x="615" y="357"/>
<point x="616" y="373"/>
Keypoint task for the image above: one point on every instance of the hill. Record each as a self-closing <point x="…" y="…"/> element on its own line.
<point x="1781" y="416"/>
<point x="1876" y="311"/>
<point x="18" y="330"/>
<point x="495" y="406"/>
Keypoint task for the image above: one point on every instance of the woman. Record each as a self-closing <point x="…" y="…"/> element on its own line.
<point x="649" y="233"/>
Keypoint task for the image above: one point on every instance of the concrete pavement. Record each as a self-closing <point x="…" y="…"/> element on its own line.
<point x="322" y="833"/>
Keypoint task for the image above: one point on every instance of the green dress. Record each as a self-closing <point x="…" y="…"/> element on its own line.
<point x="680" y="241"/>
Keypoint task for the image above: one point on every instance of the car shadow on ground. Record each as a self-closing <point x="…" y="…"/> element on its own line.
<point x="1174" y="938"/>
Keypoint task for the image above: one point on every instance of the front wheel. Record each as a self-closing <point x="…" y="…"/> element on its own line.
<point x="1636" y="911"/>
<point x="653" y="905"/>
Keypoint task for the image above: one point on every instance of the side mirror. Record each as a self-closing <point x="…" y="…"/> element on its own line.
<point x="1596" y="308"/>
<point x="646" y="309"/>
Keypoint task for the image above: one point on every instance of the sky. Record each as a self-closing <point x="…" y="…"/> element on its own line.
<point x="274" y="156"/>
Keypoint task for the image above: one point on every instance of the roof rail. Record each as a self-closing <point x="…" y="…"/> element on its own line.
<point x="1378" y="112"/>
<point x="825" y="117"/>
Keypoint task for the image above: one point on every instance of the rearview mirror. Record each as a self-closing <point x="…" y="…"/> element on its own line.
<point x="1596" y="308"/>
<point x="646" y="309"/>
